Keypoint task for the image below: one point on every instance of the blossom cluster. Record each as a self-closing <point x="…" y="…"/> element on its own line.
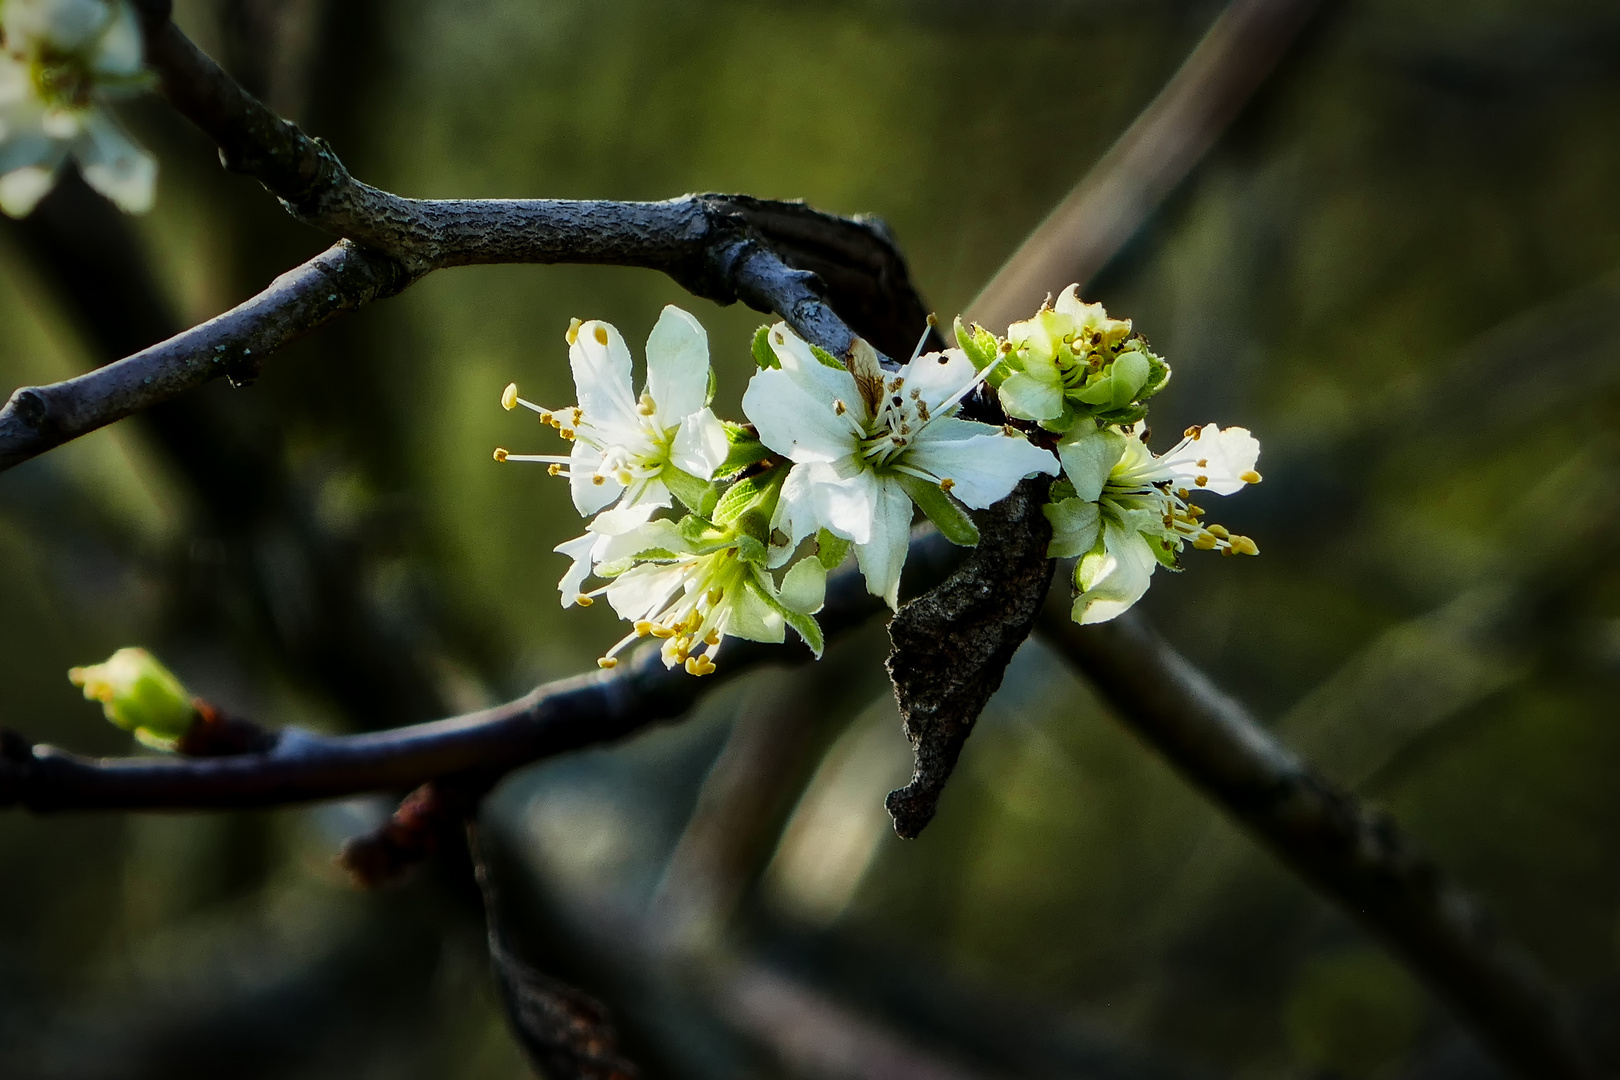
<point x="700" y="529"/>
<point x="61" y="62"/>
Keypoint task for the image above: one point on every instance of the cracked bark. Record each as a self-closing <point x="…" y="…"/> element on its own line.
<point x="952" y="645"/>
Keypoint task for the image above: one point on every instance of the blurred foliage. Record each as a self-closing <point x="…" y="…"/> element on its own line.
<point x="1401" y="269"/>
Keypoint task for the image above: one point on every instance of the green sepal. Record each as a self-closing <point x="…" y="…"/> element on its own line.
<point x="827" y="359"/>
<point x="751" y="549"/>
<point x="806" y="626"/>
<point x="698" y="496"/>
<point x="763" y="356"/>
<point x="1062" y="488"/>
<point x="831" y="549"/>
<point x="948" y="515"/>
<point x="745" y="449"/>
<point x="752" y="492"/>
<point x="980" y="344"/>
<point x="1163" y="552"/>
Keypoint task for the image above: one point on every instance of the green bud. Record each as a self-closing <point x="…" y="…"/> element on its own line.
<point x="139" y="695"/>
<point x="763" y="356"/>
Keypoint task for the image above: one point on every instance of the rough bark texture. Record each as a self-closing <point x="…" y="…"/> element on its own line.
<point x="952" y="645"/>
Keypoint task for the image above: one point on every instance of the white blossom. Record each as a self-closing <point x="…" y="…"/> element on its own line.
<point x="691" y="595"/>
<point x="1130" y="511"/>
<point x="866" y="443"/>
<point x="61" y="61"/>
<point x="627" y="449"/>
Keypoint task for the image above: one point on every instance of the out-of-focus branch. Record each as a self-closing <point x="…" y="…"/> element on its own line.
<point x="1088" y="228"/>
<point x="1355" y="855"/>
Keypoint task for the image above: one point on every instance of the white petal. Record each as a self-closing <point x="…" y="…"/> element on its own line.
<point x="21" y="189"/>
<point x="579" y="550"/>
<point x="1089" y="454"/>
<point x="661" y="534"/>
<point x="796" y="419"/>
<point x="804" y="587"/>
<point x="700" y="446"/>
<point x="1075" y="523"/>
<point x="642" y="591"/>
<point x="589" y="496"/>
<point x="818" y="379"/>
<point x="982" y="462"/>
<point x="1031" y="397"/>
<point x="118" y="53"/>
<point x="114" y="165"/>
<point x="938" y="375"/>
<point x="677" y="365"/>
<point x="795" y="510"/>
<point x="601" y="364"/>
<point x="1221" y="457"/>
<point x="882" y="558"/>
<point x="620" y="520"/>
<point x="847" y="500"/>
<point x="1115" y="579"/>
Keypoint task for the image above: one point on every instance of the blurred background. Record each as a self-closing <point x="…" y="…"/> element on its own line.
<point x="1400" y="268"/>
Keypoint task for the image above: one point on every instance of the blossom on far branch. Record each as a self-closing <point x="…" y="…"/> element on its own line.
<point x="1067" y="362"/>
<point x="1125" y="511"/>
<point x="140" y="695"/>
<point x="61" y="61"/>
<point x="866" y="444"/>
<point x="628" y="450"/>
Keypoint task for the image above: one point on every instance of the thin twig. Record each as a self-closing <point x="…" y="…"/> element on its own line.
<point x="1356" y="856"/>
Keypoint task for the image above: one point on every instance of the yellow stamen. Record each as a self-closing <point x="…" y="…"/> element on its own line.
<point x="584" y="601"/>
<point x="598" y="480"/>
<point x="500" y="453"/>
<point x="1204" y="541"/>
<point x="658" y="631"/>
<point x="1250" y="477"/>
<point x="509" y="397"/>
<point x="1192" y="432"/>
<point x="601" y="335"/>
<point x="643" y="628"/>
<point x="1244" y="546"/>
<point x="946" y="484"/>
<point x="608" y="662"/>
<point x="713" y="639"/>
<point x="554" y="469"/>
<point x="1201" y="480"/>
<point x="573" y="330"/>
<point x="1219" y="532"/>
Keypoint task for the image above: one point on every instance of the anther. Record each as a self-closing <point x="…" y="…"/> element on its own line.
<point x="643" y="628"/>
<point x="500" y="453"/>
<point x="1244" y="546"/>
<point x="608" y="662"/>
<point x="1203" y="463"/>
<point x="1192" y="432"/>
<point x="646" y="407"/>
<point x="601" y="335"/>
<point x="1219" y="531"/>
<point x="554" y="469"/>
<point x="567" y="433"/>
<point x="509" y="397"/>
<point x="1204" y="541"/>
<point x="839" y="408"/>
<point x="713" y="639"/>
<point x="659" y="631"/>
<point x="1250" y="477"/>
<point x="946" y="484"/>
<point x="1201" y="481"/>
<point x="598" y="479"/>
<point x="573" y="330"/>
<point x="584" y="601"/>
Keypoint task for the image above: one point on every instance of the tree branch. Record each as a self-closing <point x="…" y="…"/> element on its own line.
<point x="1356" y="856"/>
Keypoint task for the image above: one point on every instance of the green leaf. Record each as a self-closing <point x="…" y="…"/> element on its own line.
<point x="804" y="586"/>
<point x="745" y="449"/>
<point x="763" y="356"/>
<point x="831" y="549"/>
<point x="948" y="515"/>
<point x="751" y="493"/>
<point x="827" y="359"/>
<point x="806" y="626"/>
<point x="697" y="495"/>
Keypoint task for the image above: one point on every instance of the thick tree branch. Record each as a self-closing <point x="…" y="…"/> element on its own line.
<point x="1356" y="856"/>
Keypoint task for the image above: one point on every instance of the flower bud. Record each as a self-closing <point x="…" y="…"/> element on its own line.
<point x="139" y="695"/>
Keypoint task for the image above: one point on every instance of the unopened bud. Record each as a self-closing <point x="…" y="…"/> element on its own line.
<point x="139" y="695"/>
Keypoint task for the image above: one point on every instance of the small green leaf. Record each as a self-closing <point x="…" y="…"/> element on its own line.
<point x="751" y="493"/>
<point x="980" y="344"/>
<point x="745" y="449"/>
<point x="697" y="495"/>
<point x="831" y="549"/>
<point x="827" y="359"/>
<point x="763" y="356"/>
<point x="804" y="586"/>
<point x="805" y="625"/>
<point x="946" y="513"/>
